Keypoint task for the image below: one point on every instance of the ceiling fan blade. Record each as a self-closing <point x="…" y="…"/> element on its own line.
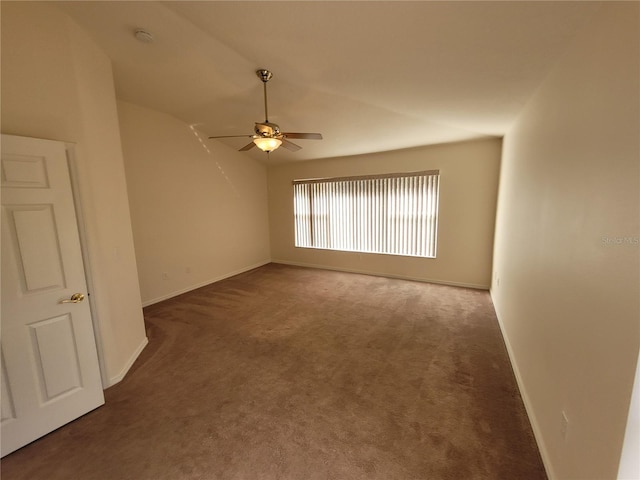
<point x="292" y="147"/>
<point x="248" y="146"/>
<point x="305" y="136"/>
<point x="232" y="136"/>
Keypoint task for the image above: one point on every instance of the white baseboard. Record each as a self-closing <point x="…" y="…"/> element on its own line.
<point x="535" y="426"/>
<point x="129" y="364"/>
<point x="203" y="284"/>
<point x="387" y="275"/>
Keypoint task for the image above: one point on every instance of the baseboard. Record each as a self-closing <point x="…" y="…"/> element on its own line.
<point x="535" y="426"/>
<point x="387" y="275"/>
<point x="129" y="364"/>
<point x="203" y="284"/>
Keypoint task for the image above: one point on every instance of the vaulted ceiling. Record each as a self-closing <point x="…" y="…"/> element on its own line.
<point x="368" y="75"/>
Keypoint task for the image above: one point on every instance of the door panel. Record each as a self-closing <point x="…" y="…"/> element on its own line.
<point x="37" y="247"/>
<point x="57" y="360"/>
<point x="50" y="372"/>
<point x="8" y="412"/>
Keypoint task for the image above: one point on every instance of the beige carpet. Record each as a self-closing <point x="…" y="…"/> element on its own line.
<point x="292" y="373"/>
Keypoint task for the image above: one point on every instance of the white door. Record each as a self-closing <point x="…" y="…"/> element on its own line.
<point x="50" y="370"/>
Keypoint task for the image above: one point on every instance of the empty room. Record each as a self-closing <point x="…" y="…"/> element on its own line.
<point x="320" y="240"/>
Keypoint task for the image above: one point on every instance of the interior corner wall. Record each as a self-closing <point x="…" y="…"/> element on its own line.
<point x="198" y="207"/>
<point x="57" y="84"/>
<point x="567" y="254"/>
<point x="469" y="173"/>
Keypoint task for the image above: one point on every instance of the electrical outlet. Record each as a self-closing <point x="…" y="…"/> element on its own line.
<point x="165" y="275"/>
<point x="564" y="426"/>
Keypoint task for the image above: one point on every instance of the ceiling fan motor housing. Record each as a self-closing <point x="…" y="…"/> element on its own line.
<point x="267" y="129"/>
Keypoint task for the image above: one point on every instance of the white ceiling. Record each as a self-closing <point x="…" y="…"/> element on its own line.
<point x="368" y="75"/>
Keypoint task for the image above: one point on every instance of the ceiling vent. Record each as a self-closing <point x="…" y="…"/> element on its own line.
<point x="143" y="36"/>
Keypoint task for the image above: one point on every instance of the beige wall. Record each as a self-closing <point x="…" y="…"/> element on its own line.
<point x="468" y="189"/>
<point x="57" y="84"/>
<point x="199" y="208"/>
<point x="566" y="249"/>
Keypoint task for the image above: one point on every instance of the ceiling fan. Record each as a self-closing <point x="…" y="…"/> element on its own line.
<point x="267" y="136"/>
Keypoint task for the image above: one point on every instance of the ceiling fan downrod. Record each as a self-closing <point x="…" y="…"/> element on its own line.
<point x="265" y="76"/>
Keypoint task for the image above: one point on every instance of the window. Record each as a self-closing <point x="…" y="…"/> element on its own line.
<point x="395" y="214"/>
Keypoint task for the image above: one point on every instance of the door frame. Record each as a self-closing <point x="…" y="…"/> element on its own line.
<point x="74" y="177"/>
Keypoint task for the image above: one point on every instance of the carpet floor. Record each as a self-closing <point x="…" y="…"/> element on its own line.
<point x="298" y="374"/>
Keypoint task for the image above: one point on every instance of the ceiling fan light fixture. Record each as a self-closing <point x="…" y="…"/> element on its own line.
<point x="267" y="144"/>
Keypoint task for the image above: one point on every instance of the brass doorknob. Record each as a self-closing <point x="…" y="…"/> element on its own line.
<point x="75" y="298"/>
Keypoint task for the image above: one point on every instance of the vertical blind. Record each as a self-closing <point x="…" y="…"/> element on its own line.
<point x="394" y="214"/>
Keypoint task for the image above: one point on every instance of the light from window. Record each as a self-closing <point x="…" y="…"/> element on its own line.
<point x="394" y="214"/>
